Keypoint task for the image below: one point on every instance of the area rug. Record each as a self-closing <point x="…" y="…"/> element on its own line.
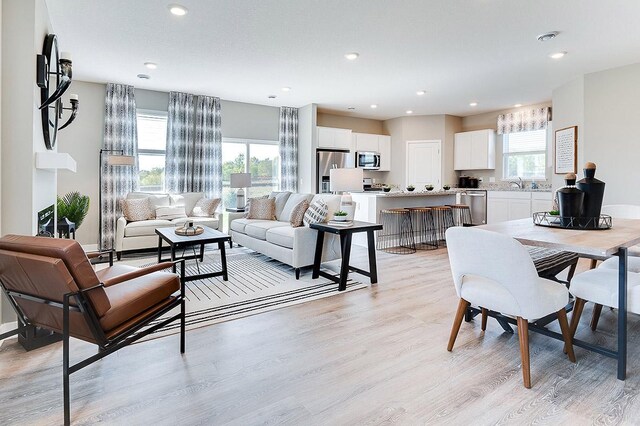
<point x="256" y="284"/>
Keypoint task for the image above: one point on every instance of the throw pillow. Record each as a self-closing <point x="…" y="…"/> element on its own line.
<point x="170" y="212"/>
<point x="247" y="207"/>
<point x="264" y="209"/>
<point x="205" y="207"/>
<point x="297" y="214"/>
<point x="281" y="200"/>
<point x="316" y="213"/>
<point x="135" y="209"/>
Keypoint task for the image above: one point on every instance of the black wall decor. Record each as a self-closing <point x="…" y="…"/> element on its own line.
<point x="53" y="76"/>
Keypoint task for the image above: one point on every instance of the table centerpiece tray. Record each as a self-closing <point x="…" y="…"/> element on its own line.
<point x="583" y="223"/>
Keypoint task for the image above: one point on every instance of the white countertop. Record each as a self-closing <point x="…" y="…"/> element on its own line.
<point x="382" y="194"/>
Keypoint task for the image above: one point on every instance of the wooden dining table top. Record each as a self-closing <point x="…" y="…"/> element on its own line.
<point x="596" y="244"/>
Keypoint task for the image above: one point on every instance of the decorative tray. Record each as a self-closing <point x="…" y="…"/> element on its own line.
<point x="584" y="223"/>
<point x="189" y="231"/>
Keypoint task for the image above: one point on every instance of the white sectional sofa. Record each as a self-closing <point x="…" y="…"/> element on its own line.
<point x="141" y="234"/>
<point x="279" y="240"/>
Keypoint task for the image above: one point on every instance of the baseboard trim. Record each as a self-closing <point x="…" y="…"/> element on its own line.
<point x="8" y="326"/>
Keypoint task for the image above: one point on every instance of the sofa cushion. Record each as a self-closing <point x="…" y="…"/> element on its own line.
<point x="292" y="202"/>
<point x="281" y="198"/>
<point x="186" y="199"/>
<point x="332" y="202"/>
<point x="258" y="229"/>
<point x="281" y="236"/>
<point x="262" y="209"/>
<point x="238" y="225"/>
<point x="136" y="209"/>
<point x="145" y="227"/>
<point x="211" y="222"/>
<point x="205" y="207"/>
<point x="130" y="298"/>
<point x="170" y="212"/>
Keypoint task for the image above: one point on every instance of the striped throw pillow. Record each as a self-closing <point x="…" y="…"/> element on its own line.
<point x="316" y="213"/>
<point x="297" y="214"/>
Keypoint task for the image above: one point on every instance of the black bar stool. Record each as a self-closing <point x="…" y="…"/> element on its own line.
<point x="396" y="236"/>
<point x="461" y="214"/>
<point x="443" y="219"/>
<point x="424" y="228"/>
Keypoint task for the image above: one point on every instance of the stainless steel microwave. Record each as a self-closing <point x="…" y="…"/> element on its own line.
<point x="368" y="160"/>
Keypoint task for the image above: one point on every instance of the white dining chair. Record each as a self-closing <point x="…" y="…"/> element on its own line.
<point x="495" y="273"/>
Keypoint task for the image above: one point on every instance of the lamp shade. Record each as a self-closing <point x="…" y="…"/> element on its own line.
<point x="121" y="160"/>
<point x="345" y="180"/>
<point x="240" y="180"/>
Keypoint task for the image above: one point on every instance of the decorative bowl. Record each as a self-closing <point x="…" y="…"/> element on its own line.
<point x="339" y="218"/>
<point x="446" y="187"/>
<point x="410" y="188"/>
<point x="386" y="189"/>
<point x="428" y="187"/>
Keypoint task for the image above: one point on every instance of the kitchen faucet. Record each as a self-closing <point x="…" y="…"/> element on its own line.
<point x="519" y="184"/>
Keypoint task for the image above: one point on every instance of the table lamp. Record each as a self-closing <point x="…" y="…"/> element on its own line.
<point x="345" y="181"/>
<point x="240" y="181"/>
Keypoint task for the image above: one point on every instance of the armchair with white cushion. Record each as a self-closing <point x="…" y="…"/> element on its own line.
<point x="495" y="273"/>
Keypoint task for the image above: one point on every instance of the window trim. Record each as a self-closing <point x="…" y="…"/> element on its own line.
<point x="507" y="155"/>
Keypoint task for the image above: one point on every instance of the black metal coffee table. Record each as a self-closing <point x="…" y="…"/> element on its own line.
<point x="345" y="233"/>
<point x="176" y="242"/>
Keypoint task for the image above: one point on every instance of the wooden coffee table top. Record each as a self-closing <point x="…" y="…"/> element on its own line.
<point x="208" y="236"/>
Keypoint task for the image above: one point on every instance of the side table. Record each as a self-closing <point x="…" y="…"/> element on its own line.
<point x="345" y="233"/>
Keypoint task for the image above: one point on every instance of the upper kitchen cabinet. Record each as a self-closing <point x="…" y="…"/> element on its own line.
<point x="475" y="150"/>
<point x="330" y="137"/>
<point x="366" y="142"/>
<point x="384" y="148"/>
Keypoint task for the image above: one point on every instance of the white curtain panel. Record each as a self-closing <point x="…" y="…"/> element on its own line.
<point x="180" y="134"/>
<point x="207" y="150"/>
<point x="120" y="133"/>
<point x="288" y="149"/>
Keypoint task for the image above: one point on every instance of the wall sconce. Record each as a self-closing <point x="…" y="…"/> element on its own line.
<point x="49" y="64"/>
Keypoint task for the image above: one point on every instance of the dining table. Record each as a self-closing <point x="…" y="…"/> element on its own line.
<point x="598" y="244"/>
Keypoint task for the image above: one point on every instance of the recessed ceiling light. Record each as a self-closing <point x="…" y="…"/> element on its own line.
<point x="517" y="105"/>
<point x="557" y="55"/>
<point x="144" y="76"/>
<point x="374" y="106"/>
<point x="409" y="111"/>
<point x="351" y="108"/>
<point x="151" y="65"/>
<point x="352" y="56"/>
<point x="286" y="89"/>
<point x="473" y="104"/>
<point x="421" y="92"/>
<point x="548" y="36"/>
<point x="272" y="96"/>
<point x="177" y="9"/>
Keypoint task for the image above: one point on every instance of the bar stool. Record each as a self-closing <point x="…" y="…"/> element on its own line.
<point x="443" y="220"/>
<point x="396" y="236"/>
<point x="424" y="228"/>
<point x="461" y="214"/>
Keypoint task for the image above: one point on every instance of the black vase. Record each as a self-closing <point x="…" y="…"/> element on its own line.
<point x="570" y="201"/>
<point x="593" y="194"/>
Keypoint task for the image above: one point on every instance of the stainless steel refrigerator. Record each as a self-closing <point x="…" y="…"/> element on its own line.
<point x="327" y="159"/>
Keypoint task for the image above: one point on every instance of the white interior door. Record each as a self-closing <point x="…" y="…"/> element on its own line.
<point x="423" y="164"/>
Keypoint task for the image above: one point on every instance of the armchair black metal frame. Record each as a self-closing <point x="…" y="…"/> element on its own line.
<point x="106" y="345"/>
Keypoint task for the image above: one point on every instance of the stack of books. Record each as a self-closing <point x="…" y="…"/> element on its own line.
<point x="344" y="223"/>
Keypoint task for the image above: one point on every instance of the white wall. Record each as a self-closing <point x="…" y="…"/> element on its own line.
<point x="568" y="110"/>
<point x="25" y="190"/>
<point x="307" y="145"/>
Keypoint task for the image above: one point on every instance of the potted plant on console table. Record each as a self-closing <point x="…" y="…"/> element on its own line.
<point x="340" y="216"/>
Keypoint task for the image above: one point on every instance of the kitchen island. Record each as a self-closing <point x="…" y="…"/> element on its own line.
<point x="369" y="204"/>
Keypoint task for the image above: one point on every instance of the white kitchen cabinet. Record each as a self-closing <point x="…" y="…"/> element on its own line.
<point x="541" y="201"/>
<point x="508" y="205"/>
<point x="497" y="210"/>
<point x="329" y="137"/>
<point x="366" y="142"/>
<point x="475" y="150"/>
<point x="384" y="148"/>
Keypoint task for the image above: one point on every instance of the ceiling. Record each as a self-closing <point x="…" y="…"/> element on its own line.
<point x="459" y="51"/>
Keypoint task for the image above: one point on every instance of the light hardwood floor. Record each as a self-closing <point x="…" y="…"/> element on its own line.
<point x="373" y="356"/>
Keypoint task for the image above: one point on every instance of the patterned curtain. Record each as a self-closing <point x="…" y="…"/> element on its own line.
<point x="207" y="148"/>
<point x="180" y="129"/>
<point x="120" y="133"/>
<point x="288" y="149"/>
<point x="524" y="121"/>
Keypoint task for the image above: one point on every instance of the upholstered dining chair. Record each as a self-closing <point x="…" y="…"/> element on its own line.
<point x="496" y="273"/>
<point x="51" y="284"/>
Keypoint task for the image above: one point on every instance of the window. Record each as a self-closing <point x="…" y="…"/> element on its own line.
<point x="152" y="145"/>
<point x="263" y="164"/>
<point x="525" y="155"/>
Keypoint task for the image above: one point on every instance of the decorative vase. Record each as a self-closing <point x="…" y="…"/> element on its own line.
<point x="593" y="194"/>
<point x="339" y="218"/>
<point x="570" y="201"/>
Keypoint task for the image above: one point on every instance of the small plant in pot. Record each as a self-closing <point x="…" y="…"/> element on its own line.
<point x="428" y="187"/>
<point x="410" y="188"/>
<point x="340" y="216"/>
<point x="446" y="187"/>
<point x="386" y="188"/>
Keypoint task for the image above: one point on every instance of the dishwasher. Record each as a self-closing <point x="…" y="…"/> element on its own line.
<point x="477" y="201"/>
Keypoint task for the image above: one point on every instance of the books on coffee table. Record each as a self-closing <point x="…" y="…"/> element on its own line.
<point x="343" y="223"/>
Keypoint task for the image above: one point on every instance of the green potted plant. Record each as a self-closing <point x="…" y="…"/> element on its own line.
<point x="386" y="188"/>
<point x="74" y="207"/>
<point x="428" y="187"/>
<point x="410" y="188"/>
<point x="340" y="216"/>
<point x="446" y="187"/>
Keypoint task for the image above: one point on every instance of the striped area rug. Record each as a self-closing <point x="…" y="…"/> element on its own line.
<point x="256" y="284"/>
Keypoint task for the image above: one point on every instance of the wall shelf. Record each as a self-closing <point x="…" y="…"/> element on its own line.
<point x="49" y="160"/>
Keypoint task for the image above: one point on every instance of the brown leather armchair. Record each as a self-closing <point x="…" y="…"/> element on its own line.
<point x="51" y="284"/>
